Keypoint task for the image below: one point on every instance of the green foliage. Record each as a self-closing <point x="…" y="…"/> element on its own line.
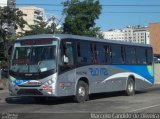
<point x="10" y="17"/>
<point x="81" y="16"/>
<point x="42" y="27"/>
<point x="10" y="20"/>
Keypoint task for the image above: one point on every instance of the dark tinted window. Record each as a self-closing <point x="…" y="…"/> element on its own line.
<point x="67" y="57"/>
<point x="149" y="56"/>
<point x="84" y="53"/>
<point x="107" y="54"/>
<point x="68" y="52"/>
<point x="141" y="55"/>
<point x="116" y="54"/>
<point x="130" y="55"/>
<point x="100" y="54"/>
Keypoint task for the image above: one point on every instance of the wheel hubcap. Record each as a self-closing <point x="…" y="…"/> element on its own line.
<point x="81" y="91"/>
<point x="130" y="87"/>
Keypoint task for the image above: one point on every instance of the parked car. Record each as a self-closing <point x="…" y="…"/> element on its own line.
<point x="156" y="60"/>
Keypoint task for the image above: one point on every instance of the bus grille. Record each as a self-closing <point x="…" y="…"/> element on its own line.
<point x="29" y="92"/>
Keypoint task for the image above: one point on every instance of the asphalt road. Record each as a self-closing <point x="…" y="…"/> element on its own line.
<point x="115" y="102"/>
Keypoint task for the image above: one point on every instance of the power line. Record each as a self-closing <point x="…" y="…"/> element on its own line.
<point x="111" y="5"/>
<point x="114" y="12"/>
<point x="131" y="5"/>
<point x="132" y="12"/>
<point x="123" y="12"/>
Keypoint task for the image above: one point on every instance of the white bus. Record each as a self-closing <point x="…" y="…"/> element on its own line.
<point x="69" y="65"/>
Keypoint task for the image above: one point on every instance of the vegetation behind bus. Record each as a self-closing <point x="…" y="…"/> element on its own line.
<point x="81" y="16"/>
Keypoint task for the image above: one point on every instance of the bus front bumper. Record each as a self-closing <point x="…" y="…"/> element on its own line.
<point x="15" y="90"/>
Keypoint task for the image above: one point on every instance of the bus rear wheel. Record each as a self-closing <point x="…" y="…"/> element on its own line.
<point x="81" y="92"/>
<point x="130" y="88"/>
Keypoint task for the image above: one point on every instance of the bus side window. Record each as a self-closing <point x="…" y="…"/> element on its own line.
<point x="130" y="57"/>
<point x="107" y="54"/>
<point x="116" y="54"/>
<point x="149" y="55"/>
<point x="141" y="56"/>
<point x="123" y="54"/>
<point x="100" y="54"/>
<point x="84" y="55"/>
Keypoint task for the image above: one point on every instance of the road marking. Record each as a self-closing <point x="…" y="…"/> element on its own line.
<point x="144" y="108"/>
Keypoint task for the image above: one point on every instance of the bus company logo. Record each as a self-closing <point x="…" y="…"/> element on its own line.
<point x="98" y="71"/>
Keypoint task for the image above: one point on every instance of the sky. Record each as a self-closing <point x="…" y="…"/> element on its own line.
<point x="112" y="16"/>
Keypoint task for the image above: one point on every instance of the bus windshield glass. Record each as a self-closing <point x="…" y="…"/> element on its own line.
<point x="33" y="58"/>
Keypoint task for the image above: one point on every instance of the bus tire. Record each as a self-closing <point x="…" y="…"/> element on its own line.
<point x="130" y="88"/>
<point x="81" y="92"/>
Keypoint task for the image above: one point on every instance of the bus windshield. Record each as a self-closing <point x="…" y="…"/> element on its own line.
<point x="33" y="59"/>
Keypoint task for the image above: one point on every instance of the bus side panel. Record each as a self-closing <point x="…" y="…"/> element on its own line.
<point x="105" y="78"/>
<point x="98" y="76"/>
<point x="143" y="75"/>
<point x="141" y="84"/>
<point x="66" y="83"/>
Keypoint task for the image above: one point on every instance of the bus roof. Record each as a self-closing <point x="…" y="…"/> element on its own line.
<point x="85" y="38"/>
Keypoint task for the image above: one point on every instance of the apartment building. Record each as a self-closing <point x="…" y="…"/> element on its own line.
<point x="114" y="35"/>
<point x="136" y="34"/>
<point x="10" y="3"/>
<point x="32" y="14"/>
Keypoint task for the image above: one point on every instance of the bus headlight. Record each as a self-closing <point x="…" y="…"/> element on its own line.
<point x="49" y="82"/>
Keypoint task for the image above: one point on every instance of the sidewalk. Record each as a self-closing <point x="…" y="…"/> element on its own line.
<point x="3" y="84"/>
<point x="155" y="87"/>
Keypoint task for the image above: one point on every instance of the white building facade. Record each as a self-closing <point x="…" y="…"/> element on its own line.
<point x="10" y="3"/>
<point x="114" y="35"/>
<point x="136" y="34"/>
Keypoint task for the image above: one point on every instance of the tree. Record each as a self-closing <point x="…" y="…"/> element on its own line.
<point x="43" y="27"/>
<point x="10" y="20"/>
<point x="81" y="16"/>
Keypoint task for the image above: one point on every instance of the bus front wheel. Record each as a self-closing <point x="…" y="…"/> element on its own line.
<point x="130" y="88"/>
<point x="81" y="92"/>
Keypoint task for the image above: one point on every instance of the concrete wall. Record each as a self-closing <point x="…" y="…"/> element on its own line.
<point x="157" y="73"/>
<point x="154" y="29"/>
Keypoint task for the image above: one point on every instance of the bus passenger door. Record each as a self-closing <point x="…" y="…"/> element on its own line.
<point x="66" y="69"/>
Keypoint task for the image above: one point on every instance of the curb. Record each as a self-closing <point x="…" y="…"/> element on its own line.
<point x="154" y="87"/>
